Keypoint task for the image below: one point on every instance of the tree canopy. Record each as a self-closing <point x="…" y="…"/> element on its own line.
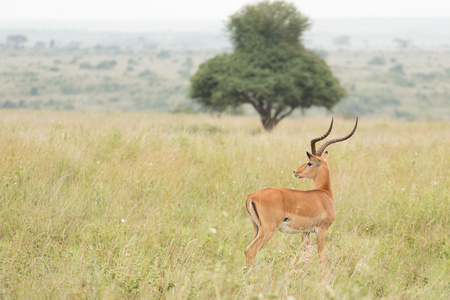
<point x="17" y="40"/>
<point x="269" y="69"/>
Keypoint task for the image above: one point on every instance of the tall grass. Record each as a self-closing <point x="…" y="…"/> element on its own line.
<point x="152" y="206"/>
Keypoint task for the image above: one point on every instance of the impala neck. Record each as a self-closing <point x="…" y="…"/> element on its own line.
<point x="323" y="181"/>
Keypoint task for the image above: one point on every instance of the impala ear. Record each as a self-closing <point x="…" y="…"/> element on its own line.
<point x="311" y="157"/>
<point x="325" y="155"/>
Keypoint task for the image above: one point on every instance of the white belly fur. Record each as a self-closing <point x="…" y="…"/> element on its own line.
<point x="286" y="229"/>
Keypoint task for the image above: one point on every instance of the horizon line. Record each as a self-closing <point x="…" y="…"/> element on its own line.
<point x="217" y="20"/>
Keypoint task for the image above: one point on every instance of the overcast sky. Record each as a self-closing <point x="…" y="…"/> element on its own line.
<point x="209" y="10"/>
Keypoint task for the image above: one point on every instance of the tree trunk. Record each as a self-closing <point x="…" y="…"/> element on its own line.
<point x="269" y="123"/>
<point x="271" y="117"/>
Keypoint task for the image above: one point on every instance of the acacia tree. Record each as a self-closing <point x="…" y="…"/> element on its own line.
<point x="269" y="68"/>
<point x="17" y="40"/>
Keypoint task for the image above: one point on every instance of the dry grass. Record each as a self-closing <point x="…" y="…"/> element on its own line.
<point x="122" y="206"/>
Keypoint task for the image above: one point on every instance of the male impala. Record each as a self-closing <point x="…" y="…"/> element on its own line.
<point x="293" y="211"/>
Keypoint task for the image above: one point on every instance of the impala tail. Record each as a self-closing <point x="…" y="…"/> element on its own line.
<point x="251" y="210"/>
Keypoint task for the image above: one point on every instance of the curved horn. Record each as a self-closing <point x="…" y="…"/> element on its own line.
<point x="314" y="141"/>
<point x="327" y="143"/>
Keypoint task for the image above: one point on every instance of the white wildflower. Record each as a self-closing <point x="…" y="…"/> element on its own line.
<point x="213" y="230"/>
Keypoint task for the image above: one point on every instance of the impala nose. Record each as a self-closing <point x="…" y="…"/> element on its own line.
<point x="293" y="172"/>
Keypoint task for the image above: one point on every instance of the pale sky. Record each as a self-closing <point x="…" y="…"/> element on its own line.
<point x="206" y="10"/>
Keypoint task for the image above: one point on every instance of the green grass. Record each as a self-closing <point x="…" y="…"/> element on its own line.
<point x="125" y="205"/>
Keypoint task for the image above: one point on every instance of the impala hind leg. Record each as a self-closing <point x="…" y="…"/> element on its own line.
<point x="306" y="241"/>
<point x="260" y="241"/>
<point x="321" y="247"/>
<point x="255" y="230"/>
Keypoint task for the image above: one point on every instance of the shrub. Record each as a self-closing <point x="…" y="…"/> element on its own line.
<point x="163" y="54"/>
<point x="69" y="89"/>
<point x="401" y="81"/>
<point x="147" y="74"/>
<point x="9" y="104"/>
<point x="34" y="91"/>
<point x="427" y="76"/>
<point x="106" y="65"/>
<point x="85" y="65"/>
<point x="397" y="69"/>
<point x="377" y="60"/>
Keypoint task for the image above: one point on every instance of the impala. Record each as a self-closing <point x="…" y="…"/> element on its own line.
<point x="294" y="211"/>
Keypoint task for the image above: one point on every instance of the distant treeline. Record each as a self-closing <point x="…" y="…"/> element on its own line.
<point x="350" y="34"/>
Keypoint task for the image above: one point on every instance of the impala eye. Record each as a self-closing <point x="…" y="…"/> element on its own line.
<point x="309" y="164"/>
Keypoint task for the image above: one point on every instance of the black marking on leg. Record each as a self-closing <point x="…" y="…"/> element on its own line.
<point x="286" y="220"/>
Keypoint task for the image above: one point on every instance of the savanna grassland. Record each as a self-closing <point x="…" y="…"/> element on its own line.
<point x="404" y="85"/>
<point x="97" y="79"/>
<point x="106" y="205"/>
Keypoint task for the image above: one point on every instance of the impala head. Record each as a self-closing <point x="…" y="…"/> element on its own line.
<point x="318" y="160"/>
<point x="312" y="167"/>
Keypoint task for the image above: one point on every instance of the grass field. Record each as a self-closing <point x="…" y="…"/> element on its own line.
<point x="152" y="206"/>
